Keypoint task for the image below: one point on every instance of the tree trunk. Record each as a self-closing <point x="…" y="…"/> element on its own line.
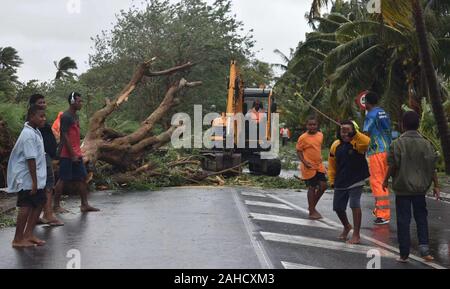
<point x="125" y="151"/>
<point x="433" y="85"/>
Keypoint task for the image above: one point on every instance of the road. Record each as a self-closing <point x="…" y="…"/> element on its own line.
<point x="216" y="228"/>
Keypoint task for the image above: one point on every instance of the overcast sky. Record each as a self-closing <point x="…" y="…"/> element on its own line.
<point x="47" y="30"/>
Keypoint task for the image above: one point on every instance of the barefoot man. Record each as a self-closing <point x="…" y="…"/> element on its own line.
<point x="71" y="166"/>
<point x="309" y="151"/>
<point x="347" y="172"/>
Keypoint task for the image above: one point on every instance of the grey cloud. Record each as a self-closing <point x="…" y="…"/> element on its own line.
<point x="43" y="31"/>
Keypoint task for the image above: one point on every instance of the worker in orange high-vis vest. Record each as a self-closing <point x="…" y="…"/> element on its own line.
<point x="378" y="126"/>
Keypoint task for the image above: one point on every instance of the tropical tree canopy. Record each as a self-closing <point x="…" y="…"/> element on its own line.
<point x="64" y="67"/>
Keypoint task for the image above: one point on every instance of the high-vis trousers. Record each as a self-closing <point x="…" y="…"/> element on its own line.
<point x="378" y="168"/>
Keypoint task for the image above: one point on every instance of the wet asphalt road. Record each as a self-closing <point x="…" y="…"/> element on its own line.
<point x="216" y="228"/>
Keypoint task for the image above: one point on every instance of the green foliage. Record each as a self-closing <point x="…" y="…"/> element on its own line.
<point x="350" y="51"/>
<point x="265" y="182"/>
<point x="8" y="219"/>
<point x="191" y="30"/>
<point x="64" y="67"/>
<point x="9" y="62"/>
<point x="14" y="115"/>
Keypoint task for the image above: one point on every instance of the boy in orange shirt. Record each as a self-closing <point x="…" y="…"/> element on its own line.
<point x="309" y="151"/>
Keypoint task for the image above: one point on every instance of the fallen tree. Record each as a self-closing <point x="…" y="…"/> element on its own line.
<point x="127" y="153"/>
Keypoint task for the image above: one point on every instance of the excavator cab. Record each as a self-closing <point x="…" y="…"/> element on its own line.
<point x="247" y="126"/>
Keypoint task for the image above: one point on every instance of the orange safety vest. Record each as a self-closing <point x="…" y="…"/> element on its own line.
<point x="56" y="127"/>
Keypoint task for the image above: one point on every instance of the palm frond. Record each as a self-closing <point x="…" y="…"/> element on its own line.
<point x="360" y="68"/>
<point x="388" y="34"/>
<point x="348" y="51"/>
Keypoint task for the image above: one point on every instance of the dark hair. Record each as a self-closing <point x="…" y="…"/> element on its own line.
<point x="72" y="96"/>
<point x="345" y="122"/>
<point x="32" y="110"/>
<point x="312" y="117"/>
<point x="372" y="98"/>
<point x="34" y="98"/>
<point x="411" y="120"/>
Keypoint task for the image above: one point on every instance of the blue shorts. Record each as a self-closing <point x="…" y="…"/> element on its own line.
<point x="70" y="171"/>
<point x="341" y="198"/>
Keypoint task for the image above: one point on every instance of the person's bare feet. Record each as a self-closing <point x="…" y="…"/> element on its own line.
<point x="354" y="240"/>
<point x="345" y="233"/>
<point x="314" y="215"/>
<point x="60" y="210"/>
<point x="22" y="244"/>
<point x="428" y="258"/>
<point x="52" y="221"/>
<point x="36" y="240"/>
<point x="86" y="209"/>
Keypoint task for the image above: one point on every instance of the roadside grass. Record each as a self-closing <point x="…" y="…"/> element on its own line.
<point x="8" y="219"/>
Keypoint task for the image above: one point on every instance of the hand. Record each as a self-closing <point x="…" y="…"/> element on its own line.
<point x="308" y="165"/>
<point x="33" y="189"/>
<point x="437" y="193"/>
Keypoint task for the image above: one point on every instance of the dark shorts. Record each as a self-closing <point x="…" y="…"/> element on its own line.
<point x="25" y="199"/>
<point x="341" y="198"/>
<point x="315" y="181"/>
<point x="70" y="171"/>
<point x="50" y="183"/>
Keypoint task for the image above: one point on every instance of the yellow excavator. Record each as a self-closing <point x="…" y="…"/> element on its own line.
<point x="244" y="132"/>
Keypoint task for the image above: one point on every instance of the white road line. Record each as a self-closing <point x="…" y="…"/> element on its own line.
<point x="260" y="252"/>
<point x="365" y="237"/>
<point x="251" y="194"/>
<point x="288" y="220"/>
<point x="268" y="205"/>
<point x="445" y="198"/>
<point x="323" y="244"/>
<point x="445" y="195"/>
<point x="288" y="265"/>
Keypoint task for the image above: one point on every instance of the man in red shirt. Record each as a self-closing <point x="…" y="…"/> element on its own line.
<point x="71" y="166"/>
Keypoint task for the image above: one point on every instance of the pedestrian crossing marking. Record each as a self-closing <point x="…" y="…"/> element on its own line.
<point x="289" y="265"/>
<point x="289" y="220"/>
<point x="268" y="205"/>
<point x="323" y="244"/>
<point x="252" y="194"/>
<point x="365" y="237"/>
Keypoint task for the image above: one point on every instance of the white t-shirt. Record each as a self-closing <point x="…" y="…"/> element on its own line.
<point x="29" y="145"/>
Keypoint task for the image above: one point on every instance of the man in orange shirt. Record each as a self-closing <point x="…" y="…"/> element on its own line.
<point x="309" y="151"/>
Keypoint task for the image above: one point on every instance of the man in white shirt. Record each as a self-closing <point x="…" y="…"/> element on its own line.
<point x="27" y="176"/>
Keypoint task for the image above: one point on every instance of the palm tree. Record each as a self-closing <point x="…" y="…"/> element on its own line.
<point x="9" y="62"/>
<point x="284" y="58"/>
<point x="403" y="16"/>
<point x="64" y="66"/>
<point x="9" y="58"/>
<point x="433" y="85"/>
